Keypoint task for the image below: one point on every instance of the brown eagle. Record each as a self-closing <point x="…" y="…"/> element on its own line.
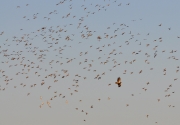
<point x="118" y="82"/>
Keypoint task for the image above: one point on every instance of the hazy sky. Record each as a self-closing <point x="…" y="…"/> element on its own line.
<point x="53" y="67"/>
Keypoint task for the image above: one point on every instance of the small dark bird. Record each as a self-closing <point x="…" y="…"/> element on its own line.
<point x="118" y="82"/>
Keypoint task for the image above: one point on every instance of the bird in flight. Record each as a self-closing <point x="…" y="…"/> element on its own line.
<point x="118" y="82"/>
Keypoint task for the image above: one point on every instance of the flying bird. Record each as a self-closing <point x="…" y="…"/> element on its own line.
<point x="118" y="82"/>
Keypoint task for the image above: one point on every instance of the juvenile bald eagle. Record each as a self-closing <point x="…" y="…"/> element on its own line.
<point x="118" y="82"/>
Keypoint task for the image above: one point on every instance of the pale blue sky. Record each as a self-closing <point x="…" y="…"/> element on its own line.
<point x="138" y="19"/>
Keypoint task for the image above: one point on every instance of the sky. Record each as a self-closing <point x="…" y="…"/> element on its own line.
<point x="60" y="59"/>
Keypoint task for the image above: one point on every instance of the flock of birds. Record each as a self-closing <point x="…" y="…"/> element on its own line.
<point x="52" y="55"/>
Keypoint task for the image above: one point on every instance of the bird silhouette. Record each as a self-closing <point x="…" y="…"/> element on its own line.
<point x="118" y="82"/>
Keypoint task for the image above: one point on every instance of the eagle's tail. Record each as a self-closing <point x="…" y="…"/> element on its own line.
<point x="119" y="85"/>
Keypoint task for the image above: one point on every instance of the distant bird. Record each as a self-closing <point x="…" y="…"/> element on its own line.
<point x="118" y="82"/>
